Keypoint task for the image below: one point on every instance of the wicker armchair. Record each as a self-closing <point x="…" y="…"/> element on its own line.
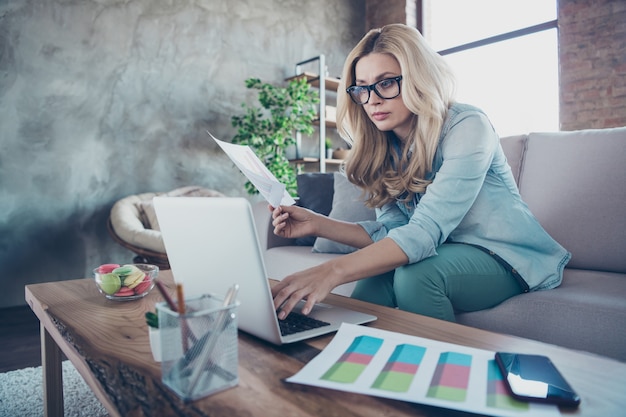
<point x="133" y="224"/>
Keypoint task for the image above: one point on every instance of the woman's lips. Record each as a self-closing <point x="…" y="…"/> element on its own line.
<point x="378" y="116"/>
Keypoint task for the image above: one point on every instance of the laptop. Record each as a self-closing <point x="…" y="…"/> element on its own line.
<point x="212" y="244"/>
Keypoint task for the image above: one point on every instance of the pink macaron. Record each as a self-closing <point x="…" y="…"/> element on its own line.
<point x="124" y="292"/>
<point x="143" y="286"/>
<point x="107" y="268"/>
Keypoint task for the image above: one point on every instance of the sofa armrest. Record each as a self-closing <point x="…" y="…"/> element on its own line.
<point x="264" y="229"/>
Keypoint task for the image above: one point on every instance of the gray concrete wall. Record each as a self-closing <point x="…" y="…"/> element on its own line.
<point x="102" y="99"/>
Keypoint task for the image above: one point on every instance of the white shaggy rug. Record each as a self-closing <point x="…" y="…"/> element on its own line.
<point x="21" y="394"/>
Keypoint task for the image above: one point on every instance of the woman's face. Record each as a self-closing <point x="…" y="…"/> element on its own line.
<point x="386" y="114"/>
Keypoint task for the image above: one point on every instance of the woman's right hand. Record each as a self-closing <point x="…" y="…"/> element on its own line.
<point x="293" y="221"/>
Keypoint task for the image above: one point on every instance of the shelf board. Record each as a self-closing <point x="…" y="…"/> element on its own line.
<point x="329" y="123"/>
<point x="310" y="160"/>
<point x="305" y="160"/>
<point x="332" y="83"/>
<point x="331" y="117"/>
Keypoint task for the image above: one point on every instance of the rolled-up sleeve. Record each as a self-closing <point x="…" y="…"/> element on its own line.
<point x="467" y="151"/>
<point x="388" y="217"/>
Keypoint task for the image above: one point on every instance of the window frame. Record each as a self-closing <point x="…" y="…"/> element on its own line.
<point x="548" y="25"/>
<point x="552" y="24"/>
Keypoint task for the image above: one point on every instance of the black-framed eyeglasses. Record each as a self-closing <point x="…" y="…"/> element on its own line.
<point x="387" y="89"/>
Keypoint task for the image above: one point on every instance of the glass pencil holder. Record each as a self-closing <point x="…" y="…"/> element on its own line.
<point x="199" y="348"/>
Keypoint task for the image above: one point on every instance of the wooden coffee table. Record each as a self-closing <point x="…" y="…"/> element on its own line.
<point x="107" y="342"/>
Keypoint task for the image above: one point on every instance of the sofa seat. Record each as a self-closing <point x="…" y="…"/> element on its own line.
<point x="584" y="300"/>
<point x="589" y="300"/>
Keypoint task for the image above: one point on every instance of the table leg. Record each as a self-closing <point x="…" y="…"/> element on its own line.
<point x="51" y="357"/>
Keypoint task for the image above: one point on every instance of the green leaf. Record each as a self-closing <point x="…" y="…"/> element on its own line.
<point x="269" y="128"/>
<point x="152" y="319"/>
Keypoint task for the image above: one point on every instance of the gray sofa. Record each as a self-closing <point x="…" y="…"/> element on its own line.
<point x="575" y="184"/>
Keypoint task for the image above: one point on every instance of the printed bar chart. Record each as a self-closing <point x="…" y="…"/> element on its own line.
<point x="370" y="361"/>
<point x="497" y="393"/>
<point x="400" y="369"/>
<point x="354" y="361"/>
<point x="451" y="377"/>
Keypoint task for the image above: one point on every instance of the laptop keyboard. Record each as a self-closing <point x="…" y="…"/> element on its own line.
<point x="296" y="322"/>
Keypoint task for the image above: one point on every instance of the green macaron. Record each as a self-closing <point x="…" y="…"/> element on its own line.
<point x="110" y="283"/>
<point x="123" y="270"/>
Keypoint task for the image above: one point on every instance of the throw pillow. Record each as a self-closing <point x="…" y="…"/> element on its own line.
<point x="348" y="205"/>
<point x="315" y="192"/>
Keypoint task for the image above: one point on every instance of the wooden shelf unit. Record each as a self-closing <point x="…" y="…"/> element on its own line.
<point x="326" y="114"/>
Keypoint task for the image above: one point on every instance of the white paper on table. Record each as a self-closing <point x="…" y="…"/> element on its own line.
<point x="479" y="388"/>
<point x="257" y="173"/>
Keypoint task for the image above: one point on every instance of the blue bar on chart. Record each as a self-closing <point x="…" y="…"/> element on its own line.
<point x="400" y="369"/>
<point x="354" y="361"/>
<point x="451" y="377"/>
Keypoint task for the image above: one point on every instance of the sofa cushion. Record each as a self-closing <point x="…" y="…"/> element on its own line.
<point x="580" y="314"/>
<point x="573" y="183"/>
<point x="315" y="192"/>
<point x="347" y="206"/>
<point x="513" y="147"/>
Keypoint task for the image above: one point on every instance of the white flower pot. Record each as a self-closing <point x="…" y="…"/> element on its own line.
<point x="155" y="343"/>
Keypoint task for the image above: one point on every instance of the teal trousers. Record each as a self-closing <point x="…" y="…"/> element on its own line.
<point x="460" y="278"/>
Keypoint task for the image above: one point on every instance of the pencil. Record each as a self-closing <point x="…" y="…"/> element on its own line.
<point x="181" y="312"/>
<point x="181" y="299"/>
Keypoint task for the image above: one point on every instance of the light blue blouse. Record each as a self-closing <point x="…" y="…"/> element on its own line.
<point x="473" y="199"/>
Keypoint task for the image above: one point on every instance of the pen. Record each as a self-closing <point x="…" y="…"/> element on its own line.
<point x="166" y="296"/>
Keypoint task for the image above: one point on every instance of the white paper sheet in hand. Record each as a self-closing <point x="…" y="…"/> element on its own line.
<point x="257" y="173"/>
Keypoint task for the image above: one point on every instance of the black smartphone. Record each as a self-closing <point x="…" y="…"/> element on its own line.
<point x="535" y="378"/>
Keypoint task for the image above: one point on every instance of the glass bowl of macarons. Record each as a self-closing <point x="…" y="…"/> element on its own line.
<point x="125" y="282"/>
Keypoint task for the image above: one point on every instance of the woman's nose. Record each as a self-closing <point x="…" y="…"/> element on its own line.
<point x="374" y="98"/>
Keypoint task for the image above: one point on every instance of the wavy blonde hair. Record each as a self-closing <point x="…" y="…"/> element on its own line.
<point x="427" y="90"/>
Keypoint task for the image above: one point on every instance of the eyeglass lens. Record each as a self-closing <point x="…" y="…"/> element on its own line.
<point x="387" y="89"/>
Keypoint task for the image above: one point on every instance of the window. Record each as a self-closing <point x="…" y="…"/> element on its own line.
<point x="505" y="57"/>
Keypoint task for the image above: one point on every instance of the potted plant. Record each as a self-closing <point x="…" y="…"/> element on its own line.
<point x="270" y="127"/>
<point x="329" y="148"/>
<point x="340" y="153"/>
<point x="154" y="335"/>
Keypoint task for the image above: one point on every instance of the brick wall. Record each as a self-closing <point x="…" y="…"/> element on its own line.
<point x="592" y="44"/>
<point x="380" y="13"/>
<point x="592" y="61"/>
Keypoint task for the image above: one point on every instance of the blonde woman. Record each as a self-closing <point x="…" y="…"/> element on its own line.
<point x="451" y="232"/>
